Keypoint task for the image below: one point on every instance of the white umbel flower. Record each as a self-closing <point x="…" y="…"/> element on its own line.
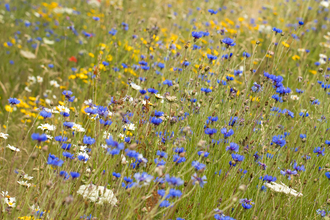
<point x="283" y="189"/>
<point x="98" y="194"/>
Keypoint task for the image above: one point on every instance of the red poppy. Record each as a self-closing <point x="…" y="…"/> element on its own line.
<point x="73" y="59"/>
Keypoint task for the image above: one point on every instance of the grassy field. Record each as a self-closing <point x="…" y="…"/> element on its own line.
<point x="167" y="109"/>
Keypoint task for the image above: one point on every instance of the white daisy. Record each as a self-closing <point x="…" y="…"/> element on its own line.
<point x="78" y="128"/>
<point x="24" y="183"/>
<point x="11" y="202"/>
<point x="136" y="87"/>
<point x="54" y="83"/>
<point x="3" y="135"/>
<point x="130" y="127"/>
<point x="27" y="177"/>
<point x="47" y="127"/>
<point x="13" y="148"/>
<point x="40" y="79"/>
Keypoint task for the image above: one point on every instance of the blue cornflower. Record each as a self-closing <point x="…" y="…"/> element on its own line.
<point x="13" y="101"/>
<point x="39" y="137"/>
<point x="301" y="23"/>
<point x="74" y="175"/>
<point x="269" y="178"/>
<point x="158" y="113"/>
<point x="196" y="35"/>
<point x="156" y="121"/>
<point x="55" y="161"/>
<point x="228" y="41"/>
<point x="302" y="114"/>
<point x="246" y="54"/>
<point x="226" y="133"/>
<point x="198" y="180"/>
<point x="66" y="146"/>
<point x="117" y="175"/>
<point x="144" y="178"/>
<point x="178" y="159"/>
<point x="321" y="212"/>
<point x="232" y="147"/>
<point x="236" y="158"/>
<point x="152" y="90"/>
<point x="246" y="203"/>
<point x="161" y="154"/>
<point x="212" y="11"/>
<point x="288" y="173"/>
<point x="279" y="140"/>
<point x="68" y="95"/>
<point x="211" y="57"/>
<point x="210" y="131"/>
<point x="88" y="140"/>
<point x="113" y="32"/>
<point x="168" y="82"/>
<point x="164" y="203"/>
<point x="277" y="30"/>
<point x="319" y="151"/>
<point x="198" y="166"/>
<point x="64" y="174"/>
<point x="60" y="138"/>
<point x="68" y="155"/>
<point x="206" y="90"/>
<point x="327" y="174"/>
<point x="298" y="168"/>
<point x="45" y="114"/>
<point x="173" y="181"/>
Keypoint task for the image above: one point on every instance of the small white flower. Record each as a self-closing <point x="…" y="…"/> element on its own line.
<point x="24" y="183"/>
<point x="106" y="135"/>
<point x="136" y="87"/>
<point x="13" y="148"/>
<point x="123" y="159"/>
<point x="104" y="146"/>
<point x="294" y="97"/>
<point x="130" y="127"/>
<point x="49" y="137"/>
<point x="4" y="194"/>
<point x="47" y="127"/>
<point x="11" y="201"/>
<point x="323" y="59"/>
<point x="325" y="4"/>
<point x="40" y="79"/>
<point x="98" y="194"/>
<point x="83" y="148"/>
<point x="88" y="102"/>
<point x="32" y="79"/>
<point x="27" y="89"/>
<point x="3" y="135"/>
<point x="301" y="50"/>
<point x="121" y="136"/>
<point x="158" y="96"/>
<point x="48" y="101"/>
<point x="61" y="108"/>
<point x="27" y="177"/>
<point x="283" y="188"/>
<point x="78" y="128"/>
<point x="54" y="83"/>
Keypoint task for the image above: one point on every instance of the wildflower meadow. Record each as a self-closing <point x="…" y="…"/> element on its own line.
<point x="185" y="109"/>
